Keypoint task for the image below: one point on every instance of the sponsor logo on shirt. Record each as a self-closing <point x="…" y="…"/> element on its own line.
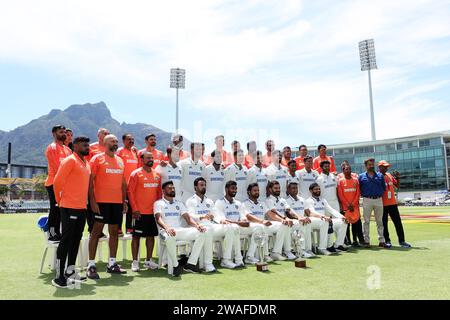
<point x="114" y="171"/>
<point x="174" y="177"/>
<point x="172" y="214"/>
<point x="150" y="185"/>
<point x="194" y="173"/>
<point x="217" y="179"/>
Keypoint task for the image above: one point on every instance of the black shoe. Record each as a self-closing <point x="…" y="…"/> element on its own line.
<point x="75" y="277"/>
<point x="341" y="248"/>
<point x="183" y="260"/>
<point x="55" y="238"/>
<point x="366" y="244"/>
<point x="356" y="244"/>
<point x="332" y="249"/>
<point x="92" y="273"/>
<point x="115" y="269"/>
<point x="191" y="268"/>
<point x="59" y="283"/>
<point x="177" y="270"/>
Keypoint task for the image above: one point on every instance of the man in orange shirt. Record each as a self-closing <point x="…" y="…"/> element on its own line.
<point x="287" y="156"/>
<point x="349" y="194"/>
<point x="99" y="146"/>
<point x="158" y="156"/>
<point x="69" y="139"/>
<point x="300" y="160"/>
<point x="55" y="153"/>
<point x="107" y="194"/>
<point x="71" y="186"/>
<point x="322" y="157"/>
<point x="128" y="154"/>
<point x="267" y="158"/>
<point x="250" y="157"/>
<point x="390" y="207"/>
<point x="144" y="189"/>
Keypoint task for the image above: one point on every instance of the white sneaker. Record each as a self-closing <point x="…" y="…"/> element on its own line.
<point x="135" y="266"/>
<point x="311" y="253"/>
<point x="227" y="264"/>
<point x="251" y="260"/>
<point x="239" y="263"/>
<point x="150" y="264"/>
<point x="290" y="255"/>
<point x="307" y="255"/>
<point x="268" y="259"/>
<point x="325" y="252"/>
<point x="277" y="257"/>
<point x="209" y="268"/>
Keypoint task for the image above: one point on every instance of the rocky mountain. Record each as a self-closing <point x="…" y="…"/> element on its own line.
<point x="29" y="141"/>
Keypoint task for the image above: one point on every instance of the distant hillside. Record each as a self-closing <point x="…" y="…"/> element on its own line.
<point x="29" y="141"/>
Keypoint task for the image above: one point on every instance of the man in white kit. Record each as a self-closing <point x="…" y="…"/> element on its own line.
<point x="318" y="205"/>
<point x="171" y="171"/>
<point x="191" y="169"/>
<point x="257" y="174"/>
<point x="275" y="171"/>
<point x="239" y="173"/>
<point x="328" y="185"/>
<point x="307" y="176"/>
<point x="169" y="214"/>
<point x="215" y="177"/>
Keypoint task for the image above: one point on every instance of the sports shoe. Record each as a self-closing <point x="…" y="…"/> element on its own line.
<point x="405" y="244"/>
<point x="191" y="268"/>
<point x="183" y="260"/>
<point x="324" y="252"/>
<point x="388" y="245"/>
<point x="289" y="255"/>
<point x="311" y="253"/>
<point x="55" y="238"/>
<point x="341" y="248"/>
<point x="239" y="264"/>
<point x="355" y="244"/>
<point x="115" y="269"/>
<point x="210" y="268"/>
<point x="60" y="283"/>
<point x="366" y="244"/>
<point x="251" y="260"/>
<point x="225" y="263"/>
<point x="384" y="245"/>
<point x="268" y="259"/>
<point x="92" y="273"/>
<point x="120" y="233"/>
<point x="277" y="257"/>
<point x="135" y="266"/>
<point x="177" y="270"/>
<point x="74" y="277"/>
<point x="332" y="249"/>
<point x="307" y="255"/>
<point x="150" y="264"/>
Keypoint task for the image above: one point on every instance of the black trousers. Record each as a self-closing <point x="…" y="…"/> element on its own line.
<point x="393" y="212"/>
<point x="73" y="222"/>
<point x="54" y="217"/>
<point x="357" y="232"/>
<point x="129" y="218"/>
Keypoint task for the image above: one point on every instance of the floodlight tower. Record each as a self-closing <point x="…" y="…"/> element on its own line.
<point x="177" y="81"/>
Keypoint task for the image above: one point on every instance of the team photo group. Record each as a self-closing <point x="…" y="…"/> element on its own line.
<point x="219" y="202"/>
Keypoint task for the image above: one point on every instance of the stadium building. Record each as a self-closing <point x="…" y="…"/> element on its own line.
<point x="422" y="160"/>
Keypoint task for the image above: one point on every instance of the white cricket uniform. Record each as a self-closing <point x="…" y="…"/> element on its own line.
<point x="216" y="232"/>
<point x="172" y="215"/>
<point x="240" y="175"/>
<point x="235" y="211"/>
<point x="294" y="179"/>
<point x="328" y="189"/>
<point x="322" y="207"/>
<point x="306" y="179"/>
<point x="169" y="173"/>
<point x="279" y="174"/>
<point x="280" y="205"/>
<point x="298" y="206"/>
<point x="190" y="171"/>
<point x="215" y="182"/>
<point x="257" y="175"/>
<point x="259" y="210"/>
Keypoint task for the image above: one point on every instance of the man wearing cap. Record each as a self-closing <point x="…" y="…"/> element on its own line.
<point x="372" y="188"/>
<point x="390" y="207"/>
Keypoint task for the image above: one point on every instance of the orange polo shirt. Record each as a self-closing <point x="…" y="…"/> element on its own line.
<point x="349" y="193"/>
<point x="144" y="189"/>
<point x="55" y="154"/>
<point x="300" y="162"/>
<point x="227" y="159"/>
<point x="389" y="195"/>
<point x="130" y="161"/>
<point x="318" y="160"/>
<point x="158" y="156"/>
<point x="109" y="176"/>
<point x="284" y="162"/>
<point x="94" y="149"/>
<point x="266" y="160"/>
<point x="248" y="161"/>
<point x="71" y="183"/>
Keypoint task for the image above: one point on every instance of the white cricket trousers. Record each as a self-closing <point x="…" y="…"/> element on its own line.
<point x="226" y="233"/>
<point x="340" y="230"/>
<point x="322" y="227"/>
<point x="375" y="205"/>
<point x="184" y="234"/>
<point x="306" y="231"/>
<point x="279" y="231"/>
<point x="251" y="230"/>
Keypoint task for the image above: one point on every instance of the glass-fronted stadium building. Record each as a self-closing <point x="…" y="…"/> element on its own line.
<point x="422" y="160"/>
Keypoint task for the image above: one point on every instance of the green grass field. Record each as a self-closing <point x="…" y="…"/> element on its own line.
<point x="418" y="273"/>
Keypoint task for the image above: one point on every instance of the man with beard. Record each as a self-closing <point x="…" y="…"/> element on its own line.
<point x="107" y="193"/>
<point x="328" y="185"/>
<point x="278" y="172"/>
<point x="237" y="172"/>
<point x="170" y="171"/>
<point x="71" y="186"/>
<point x="257" y="174"/>
<point x="158" y="156"/>
<point x="69" y="139"/>
<point x="128" y="154"/>
<point x="300" y="160"/>
<point x="214" y="177"/>
<point x="322" y="150"/>
<point x="144" y="189"/>
<point x="55" y="153"/>
<point x="191" y="169"/>
<point x="267" y="158"/>
<point x="292" y="176"/>
<point x="307" y="176"/>
<point x="287" y="156"/>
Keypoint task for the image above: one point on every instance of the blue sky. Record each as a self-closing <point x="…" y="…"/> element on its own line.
<point x="288" y="70"/>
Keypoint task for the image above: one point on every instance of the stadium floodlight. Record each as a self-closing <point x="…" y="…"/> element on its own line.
<point x="369" y="62"/>
<point x="177" y="81"/>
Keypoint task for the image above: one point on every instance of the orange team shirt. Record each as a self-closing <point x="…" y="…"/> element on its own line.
<point x="389" y="195"/>
<point x="266" y="160"/>
<point x="144" y="189"/>
<point x="109" y="177"/>
<point x="55" y="154"/>
<point x="318" y="160"/>
<point x="349" y="193"/>
<point x="227" y="159"/>
<point x="183" y="155"/>
<point x="71" y="183"/>
<point x="248" y="161"/>
<point x="158" y="156"/>
<point x="300" y="162"/>
<point x="341" y="175"/>
<point x="284" y="162"/>
<point x="130" y="161"/>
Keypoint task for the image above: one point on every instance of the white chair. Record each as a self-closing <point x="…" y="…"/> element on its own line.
<point x="53" y="247"/>
<point x="162" y="252"/>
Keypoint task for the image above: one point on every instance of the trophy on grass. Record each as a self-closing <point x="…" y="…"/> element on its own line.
<point x="299" y="241"/>
<point x="260" y="240"/>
